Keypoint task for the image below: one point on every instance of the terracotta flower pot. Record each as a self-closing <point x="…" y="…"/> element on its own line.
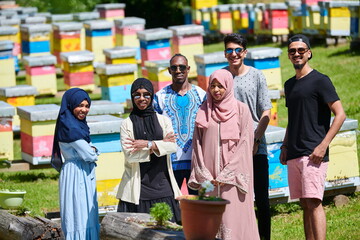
<point x="201" y="219"/>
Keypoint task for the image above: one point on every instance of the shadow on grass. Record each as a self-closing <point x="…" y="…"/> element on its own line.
<point x="29" y="177"/>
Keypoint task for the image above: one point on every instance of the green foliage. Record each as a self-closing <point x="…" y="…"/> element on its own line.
<point x="161" y="212"/>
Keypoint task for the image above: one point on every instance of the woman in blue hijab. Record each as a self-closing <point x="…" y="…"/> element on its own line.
<point x="74" y="157"/>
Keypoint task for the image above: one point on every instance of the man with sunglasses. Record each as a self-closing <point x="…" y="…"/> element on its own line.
<point x="180" y="101"/>
<point x="310" y="99"/>
<point x="250" y="87"/>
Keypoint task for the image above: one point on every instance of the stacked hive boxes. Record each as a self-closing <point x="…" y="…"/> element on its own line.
<point x="188" y="40"/>
<point x="119" y="55"/>
<point x="235" y="16"/>
<point x="21" y="95"/>
<point x="243" y="23"/>
<point x="66" y="38"/>
<point x="198" y="4"/>
<point x="267" y="60"/>
<point x="125" y="32"/>
<point x="37" y="127"/>
<point x="41" y="73"/>
<point x="213" y="19"/>
<point x="294" y="17"/>
<point x="206" y="64"/>
<point x="111" y="11"/>
<point x="158" y="73"/>
<point x="54" y="19"/>
<point x="205" y="19"/>
<point x="155" y="45"/>
<point x="314" y="27"/>
<point x="274" y="95"/>
<point x="224" y="20"/>
<point x="105" y="135"/>
<point x="278" y="18"/>
<point x="251" y="18"/>
<point x="6" y="133"/>
<point x="35" y="39"/>
<point x="82" y="17"/>
<point x="338" y="18"/>
<point x="7" y="64"/>
<point x="259" y="18"/>
<point x="98" y="37"/>
<point x="14" y="22"/>
<point x="116" y="80"/>
<point x="78" y="69"/>
<point x="12" y="34"/>
<point x="343" y="169"/>
<point x="278" y="178"/>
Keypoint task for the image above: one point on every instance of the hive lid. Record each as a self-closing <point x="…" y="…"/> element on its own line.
<point x="102" y="107"/>
<point x="19" y="90"/>
<point x="276" y="6"/>
<point x="112" y="69"/>
<point x="263" y="52"/>
<point x="6" y="45"/>
<point x="27" y="10"/>
<point x="129" y="21"/>
<point x="98" y="24"/>
<point x="42" y="14"/>
<point x="67" y="26"/>
<point x="33" y="20"/>
<point x="188" y="29"/>
<point x="223" y="8"/>
<point x="102" y="124"/>
<point x="34" y="61"/>
<point x="120" y="52"/>
<point x="60" y="17"/>
<point x="154" y="34"/>
<point x="108" y="6"/>
<point x="9" y="22"/>
<point x="84" y="16"/>
<point x="37" y="113"/>
<point x="208" y="58"/>
<point x="8" y="12"/>
<point x="7" y="30"/>
<point x="274" y="134"/>
<point x="165" y="63"/>
<point x="77" y="56"/>
<point x="6" y="110"/>
<point x="32" y="28"/>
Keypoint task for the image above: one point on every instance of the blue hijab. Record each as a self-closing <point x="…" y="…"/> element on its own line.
<point x="68" y="127"/>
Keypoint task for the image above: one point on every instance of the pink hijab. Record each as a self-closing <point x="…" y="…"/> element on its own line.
<point x="223" y="111"/>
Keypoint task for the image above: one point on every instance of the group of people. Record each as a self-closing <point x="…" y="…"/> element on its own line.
<point x="185" y="134"/>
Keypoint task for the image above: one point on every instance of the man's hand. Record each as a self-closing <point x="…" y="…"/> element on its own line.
<point x="283" y="155"/>
<point x="318" y="154"/>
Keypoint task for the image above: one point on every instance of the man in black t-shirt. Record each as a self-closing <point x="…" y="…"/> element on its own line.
<point x="310" y="99"/>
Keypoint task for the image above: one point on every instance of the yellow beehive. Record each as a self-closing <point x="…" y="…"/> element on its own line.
<point x="197" y="4"/>
<point x="78" y="67"/>
<point x="6" y="132"/>
<point x="274" y="96"/>
<point x="7" y="72"/>
<point x="116" y="75"/>
<point x="36" y="129"/>
<point x="116" y="80"/>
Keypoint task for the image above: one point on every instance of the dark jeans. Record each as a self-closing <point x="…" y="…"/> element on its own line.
<point x="180" y="175"/>
<point x="261" y="190"/>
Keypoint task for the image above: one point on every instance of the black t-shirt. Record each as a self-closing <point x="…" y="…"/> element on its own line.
<point x="308" y="113"/>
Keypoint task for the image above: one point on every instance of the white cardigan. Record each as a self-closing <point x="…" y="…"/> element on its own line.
<point x="129" y="188"/>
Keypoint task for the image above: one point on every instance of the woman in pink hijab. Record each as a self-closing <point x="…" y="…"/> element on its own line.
<point x="222" y="153"/>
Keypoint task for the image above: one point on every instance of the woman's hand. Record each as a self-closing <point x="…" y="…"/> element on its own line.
<point x="136" y="145"/>
<point x="170" y="137"/>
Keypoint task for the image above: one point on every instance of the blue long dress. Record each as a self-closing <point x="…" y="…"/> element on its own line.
<point x="78" y="199"/>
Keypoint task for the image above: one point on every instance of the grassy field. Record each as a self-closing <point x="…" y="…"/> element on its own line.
<point x="337" y="62"/>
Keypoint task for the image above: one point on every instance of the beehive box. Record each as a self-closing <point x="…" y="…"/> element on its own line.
<point x="35" y="39"/>
<point x="13" y="34"/>
<point x="205" y="19"/>
<point x="278" y="18"/>
<point x="7" y="113"/>
<point x="206" y="64"/>
<point x="111" y="11"/>
<point x="7" y="64"/>
<point x="37" y="127"/>
<point x="188" y="40"/>
<point x="158" y="73"/>
<point x="267" y="60"/>
<point x="105" y="135"/>
<point x="120" y="55"/>
<point x="41" y="73"/>
<point x="82" y="17"/>
<point x="274" y="95"/>
<point x="224" y="21"/>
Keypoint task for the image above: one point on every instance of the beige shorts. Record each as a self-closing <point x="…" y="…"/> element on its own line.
<point x="306" y="179"/>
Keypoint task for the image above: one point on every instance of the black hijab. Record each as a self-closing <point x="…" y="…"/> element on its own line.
<point x="146" y="125"/>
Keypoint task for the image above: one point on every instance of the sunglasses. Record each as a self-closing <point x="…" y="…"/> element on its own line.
<point x="181" y="67"/>
<point x="292" y="51"/>
<point x="138" y="95"/>
<point x="230" y="50"/>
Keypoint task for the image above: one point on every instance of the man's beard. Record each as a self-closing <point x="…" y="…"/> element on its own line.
<point x="299" y="66"/>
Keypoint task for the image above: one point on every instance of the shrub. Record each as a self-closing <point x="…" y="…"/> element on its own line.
<point x="161" y="212"/>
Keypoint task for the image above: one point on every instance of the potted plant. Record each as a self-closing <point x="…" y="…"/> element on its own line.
<point x="10" y="198"/>
<point x="201" y="215"/>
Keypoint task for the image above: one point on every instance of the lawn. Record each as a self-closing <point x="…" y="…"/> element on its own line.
<point x="337" y="62"/>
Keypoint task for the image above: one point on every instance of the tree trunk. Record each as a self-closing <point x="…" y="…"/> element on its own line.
<point x="24" y="228"/>
<point x="115" y="226"/>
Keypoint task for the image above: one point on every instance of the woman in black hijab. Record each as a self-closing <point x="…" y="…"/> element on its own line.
<point x="148" y="140"/>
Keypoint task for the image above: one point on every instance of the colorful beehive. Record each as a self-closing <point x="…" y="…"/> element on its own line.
<point x="278" y="18"/>
<point x="267" y="60"/>
<point x="78" y="69"/>
<point x="187" y="14"/>
<point x="235" y="16"/>
<point x="188" y="40"/>
<point x="314" y="21"/>
<point x="116" y="80"/>
<point x="158" y="73"/>
<point x="66" y="38"/>
<point x="20" y="95"/>
<point x="8" y="5"/>
<point x="213" y="19"/>
<point x="35" y="39"/>
<point x="6" y="133"/>
<point x="111" y="11"/>
<point x="82" y="17"/>
<point x="125" y="32"/>
<point x="240" y="18"/>
<point x="106" y="107"/>
<point x="278" y="178"/>
<point x="155" y="45"/>
<point x="198" y="4"/>
<point x="251" y="18"/>
<point x="354" y="21"/>
<point x="33" y="20"/>
<point x="14" y="22"/>
<point x="343" y="169"/>
<point x="105" y="135"/>
<point x="294" y="17"/>
<point x="120" y="55"/>
<point x="259" y="18"/>
<point x="98" y="37"/>
<point x="205" y="19"/>
<point x="274" y="96"/>
<point x="7" y="64"/>
<point x="41" y="73"/>
<point x="206" y="64"/>
<point x="224" y="20"/>
<point x="339" y="18"/>
<point x="37" y="127"/>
